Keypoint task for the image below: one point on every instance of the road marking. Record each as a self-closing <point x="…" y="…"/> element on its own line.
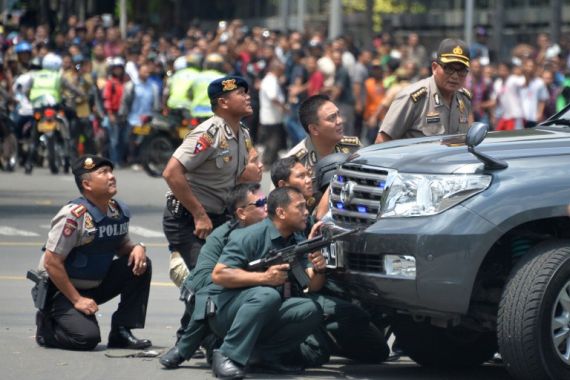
<point x="10" y="231"/>
<point x="41" y="243"/>
<point x="145" y="232"/>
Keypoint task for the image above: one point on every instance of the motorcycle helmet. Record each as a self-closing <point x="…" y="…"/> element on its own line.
<point x="118" y="61"/>
<point x="180" y="63"/>
<point x="214" y="61"/>
<point x="51" y="62"/>
<point x="23" y="47"/>
<point x="194" y="59"/>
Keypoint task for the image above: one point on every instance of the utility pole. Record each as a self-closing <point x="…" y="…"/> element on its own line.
<point x="123" y="18"/>
<point x="301" y="6"/>
<point x="335" y="19"/>
<point x="498" y="27"/>
<point x="556" y="17"/>
<point x="284" y="13"/>
<point x="468" y="31"/>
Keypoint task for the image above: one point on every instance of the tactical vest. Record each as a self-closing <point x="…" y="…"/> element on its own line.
<point x="92" y="261"/>
<point x="201" y="106"/>
<point x="46" y="82"/>
<point x="179" y="85"/>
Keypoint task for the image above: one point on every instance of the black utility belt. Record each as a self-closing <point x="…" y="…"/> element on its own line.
<point x="178" y="210"/>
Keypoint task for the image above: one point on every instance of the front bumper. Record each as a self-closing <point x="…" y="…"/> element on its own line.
<point x="448" y="249"/>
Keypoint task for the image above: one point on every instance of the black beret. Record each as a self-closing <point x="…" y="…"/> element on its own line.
<point x="89" y="163"/>
<point x="453" y="50"/>
<point x="224" y="85"/>
<point x="325" y="169"/>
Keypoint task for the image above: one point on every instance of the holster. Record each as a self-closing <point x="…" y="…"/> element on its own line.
<point x="40" y="289"/>
<point x="175" y="207"/>
<point x="186" y="293"/>
<point x="210" y="308"/>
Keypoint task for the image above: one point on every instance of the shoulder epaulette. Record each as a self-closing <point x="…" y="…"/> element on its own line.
<point x="301" y="153"/>
<point x="465" y="92"/>
<point x="350" y="140"/>
<point x="78" y="210"/>
<point x="418" y="94"/>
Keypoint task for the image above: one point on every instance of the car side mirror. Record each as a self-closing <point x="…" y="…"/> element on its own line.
<point x="475" y="135"/>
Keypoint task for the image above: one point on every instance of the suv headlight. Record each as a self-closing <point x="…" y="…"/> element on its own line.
<point x="426" y="194"/>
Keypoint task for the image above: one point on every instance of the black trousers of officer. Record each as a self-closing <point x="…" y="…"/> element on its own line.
<point x="179" y="231"/>
<point x="61" y="325"/>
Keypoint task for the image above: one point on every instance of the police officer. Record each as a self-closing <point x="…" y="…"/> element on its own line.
<point x="178" y="89"/>
<point x="213" y="66"/>
<point x="354" y="335"/>
<point x="436" y="105"/>
<point x="85" y="237"/>
<point x="246" y="204"/>
<point x="322" y="121"/>
<point x="205" y="167"/>
<point x="253" y="309"/>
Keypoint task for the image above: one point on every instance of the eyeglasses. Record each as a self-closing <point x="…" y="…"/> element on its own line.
<point x="259" y="203"/>
<point x="450" y="70"/>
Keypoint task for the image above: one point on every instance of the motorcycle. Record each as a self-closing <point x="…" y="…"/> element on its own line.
<point x="158" y="136"/>
<point x="8" y="144"/>
<point x="50" y="138"/>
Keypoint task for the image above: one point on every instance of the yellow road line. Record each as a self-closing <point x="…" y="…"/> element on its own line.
<point x="22" y="278"/>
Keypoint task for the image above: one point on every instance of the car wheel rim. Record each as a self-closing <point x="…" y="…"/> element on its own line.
<point x="561" y="324"/>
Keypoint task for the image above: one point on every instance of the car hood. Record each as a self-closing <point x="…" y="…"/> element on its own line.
<point x="448" y="154"/>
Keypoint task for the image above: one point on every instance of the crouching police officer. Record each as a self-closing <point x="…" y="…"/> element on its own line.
<point x="85" y="236"/>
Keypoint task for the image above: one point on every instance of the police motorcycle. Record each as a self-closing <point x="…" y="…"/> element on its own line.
<point x="157" y="137"/>
<point x="49" y="136"/>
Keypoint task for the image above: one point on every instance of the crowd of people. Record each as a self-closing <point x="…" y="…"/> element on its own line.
<point x="115" y="81"/>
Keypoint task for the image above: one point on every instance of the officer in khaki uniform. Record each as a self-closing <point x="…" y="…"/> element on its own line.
<point x="322" y="121"/>
<point x="437" y="105"/>
<point x="205" y="167"/>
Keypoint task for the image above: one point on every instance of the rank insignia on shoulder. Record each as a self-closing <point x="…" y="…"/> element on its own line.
<point x="465" y="92"/>
<point x="418" y="94"/>
<point x="78" y="210"/>
<point x="301" y="153"/>
<point x="248" y="144"/>
<point x="350" y="140"/>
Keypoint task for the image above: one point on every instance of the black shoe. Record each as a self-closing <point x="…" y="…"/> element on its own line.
<point x="172" y="359"/>
<point x="276" y="368"/>
<point x="225" y="368"/>
<point x="121" y="337"/>
<point x="40" y="331"/>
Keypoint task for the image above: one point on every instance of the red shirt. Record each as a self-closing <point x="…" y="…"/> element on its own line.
<point x="112" y="94"/>
<point x="316" y="81"/>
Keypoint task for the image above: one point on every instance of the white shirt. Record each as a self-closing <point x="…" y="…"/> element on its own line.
<point x="531" y="95"/>
<point x="269" y="91"/>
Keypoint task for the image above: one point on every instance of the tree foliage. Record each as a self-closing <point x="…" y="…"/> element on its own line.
<point x="381" y="7"/>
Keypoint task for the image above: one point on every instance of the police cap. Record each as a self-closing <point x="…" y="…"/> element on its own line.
<point x="453" y="50"/>
<point x="89" y="163"/>
<point x="224" y="85"/>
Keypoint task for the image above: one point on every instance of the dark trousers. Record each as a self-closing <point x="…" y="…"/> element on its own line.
<point x="61" y="325"/>
<point x="179" y="231"/>
<point x="273" y="138"/>
<point x="257" y="318"/>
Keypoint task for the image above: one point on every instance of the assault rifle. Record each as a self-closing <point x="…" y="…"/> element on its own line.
<point x="291" y="255"/>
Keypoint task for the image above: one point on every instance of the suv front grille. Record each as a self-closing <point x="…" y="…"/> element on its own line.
<point x="356" y="193"/>
<point x="365" y="263"/>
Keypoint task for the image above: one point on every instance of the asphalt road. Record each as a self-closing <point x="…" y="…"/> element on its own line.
<point x="27" y="203"/>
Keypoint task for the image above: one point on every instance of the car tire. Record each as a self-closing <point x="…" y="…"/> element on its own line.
<point x="534" y="313"/>
<point x="437" y="347"/>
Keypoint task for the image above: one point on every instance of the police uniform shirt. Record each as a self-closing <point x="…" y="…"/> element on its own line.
<point x="306" y="153"/>
<point x="419" y="110"/>
<point x="72" y="227"/>
<point x="214" y="158"/>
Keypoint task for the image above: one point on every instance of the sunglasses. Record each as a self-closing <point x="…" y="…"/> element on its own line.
<point x="450" y="70"/>
<point x="259" y="203"/>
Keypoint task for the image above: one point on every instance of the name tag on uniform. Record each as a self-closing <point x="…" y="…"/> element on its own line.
<point x="432" y="117"/>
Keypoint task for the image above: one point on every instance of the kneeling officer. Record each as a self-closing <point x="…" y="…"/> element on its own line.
<point x="85" y="236"/>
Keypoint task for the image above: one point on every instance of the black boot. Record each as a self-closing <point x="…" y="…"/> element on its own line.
<point x="172" y="359"/>
<point x="121" y="337"/>
<point x="225" y="368"/>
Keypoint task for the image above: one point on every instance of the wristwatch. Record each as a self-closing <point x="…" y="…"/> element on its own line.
<point x="142" y="245"/>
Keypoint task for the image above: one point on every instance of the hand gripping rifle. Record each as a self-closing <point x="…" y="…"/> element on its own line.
<point x="291" y="255"/>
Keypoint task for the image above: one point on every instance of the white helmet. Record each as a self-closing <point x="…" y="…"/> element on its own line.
<point x="51" y="62"/>
<point x="117" y="61"/>
<point x="180" y="63"/>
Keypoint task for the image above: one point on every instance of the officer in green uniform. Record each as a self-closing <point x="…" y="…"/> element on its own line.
<point x="322" y="121"/>
<point x="354" y="336"/>
<point x="205" y="167"/>
<point x="437" y="105"/>
<point x="213" y="66"/>
<point x="180" y="83"/>
<point x="246" y="203"/>
<point x="259" y="314"/>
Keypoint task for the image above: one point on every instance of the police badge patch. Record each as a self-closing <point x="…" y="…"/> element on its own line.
<point x="69" y="227"/>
